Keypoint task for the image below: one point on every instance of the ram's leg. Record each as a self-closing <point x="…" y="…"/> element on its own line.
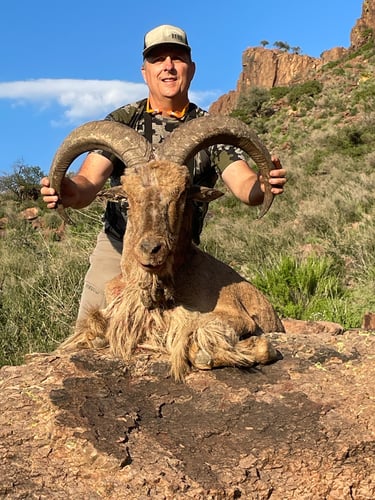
<point x="216" y="343"/>
<point x="89" y="333"/>
<point x="258" y="347"/>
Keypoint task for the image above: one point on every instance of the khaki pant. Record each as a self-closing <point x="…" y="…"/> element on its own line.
<point x="104" y="265"/>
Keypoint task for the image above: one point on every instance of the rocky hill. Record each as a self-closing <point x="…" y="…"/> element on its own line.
<point x="268" y="68"/>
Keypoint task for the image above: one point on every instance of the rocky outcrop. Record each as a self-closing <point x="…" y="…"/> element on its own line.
<point x="225" y="104"/>
<point x="333" y="54"/>
<point x="30" y="214"/>
<point x="267" y="68"/>
<point x="364" y="28"/>
<point x="274" y="68"/>
<point x="87" y="426"/>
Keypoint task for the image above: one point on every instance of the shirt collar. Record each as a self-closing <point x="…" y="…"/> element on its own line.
<point x="173" y="114"/>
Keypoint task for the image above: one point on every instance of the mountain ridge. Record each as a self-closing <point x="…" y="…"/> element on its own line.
<point x="268" y="68"/>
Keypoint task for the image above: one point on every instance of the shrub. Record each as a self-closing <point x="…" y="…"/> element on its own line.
<point x="279" y="92"/>
<point x="252" y="104"/>
<point x="310" y="89"/>
<point x="353" y="141"/>
<point x="305" y="289"/>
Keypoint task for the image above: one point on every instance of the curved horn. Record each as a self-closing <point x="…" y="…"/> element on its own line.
<point x="116" y="138"/>
<point x="184" y="142"/>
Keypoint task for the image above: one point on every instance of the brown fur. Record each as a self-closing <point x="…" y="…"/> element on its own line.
<point x="172" y="296"/>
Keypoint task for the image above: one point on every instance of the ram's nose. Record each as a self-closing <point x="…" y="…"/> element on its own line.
<point x="152" y="253"/>
<point x="151" y="246"/>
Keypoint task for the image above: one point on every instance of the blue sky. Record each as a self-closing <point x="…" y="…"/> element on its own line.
<point x="67" y="62"/>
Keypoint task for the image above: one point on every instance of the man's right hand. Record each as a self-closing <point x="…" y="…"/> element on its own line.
<point x="69" y="192"/>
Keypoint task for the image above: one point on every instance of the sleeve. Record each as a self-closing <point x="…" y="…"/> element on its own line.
<point x="222" y="155"/>
<point x="122" y="115"/>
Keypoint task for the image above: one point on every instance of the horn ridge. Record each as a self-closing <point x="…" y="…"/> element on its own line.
<point x="186" y="141"/>
<point x="114" y="137"/>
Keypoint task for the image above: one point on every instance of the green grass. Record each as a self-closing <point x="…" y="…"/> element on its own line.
<point x="41" y="280"/>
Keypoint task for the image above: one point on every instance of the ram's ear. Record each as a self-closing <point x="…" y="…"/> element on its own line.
<point x="202" y="193"/>
<point x="115" y="193"/>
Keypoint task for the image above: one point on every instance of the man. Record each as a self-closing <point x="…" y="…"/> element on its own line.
<point x="168" y="71"/>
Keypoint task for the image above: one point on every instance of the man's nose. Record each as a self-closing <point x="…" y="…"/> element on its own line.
<point x="168" y="63"/>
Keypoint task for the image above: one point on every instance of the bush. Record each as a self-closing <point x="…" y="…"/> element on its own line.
<point x="308" y="289"/>
<point x="309" y="89"/>
<point x="279" y="92"/>
<point x="252" y="104"/>
<point x="365" y="94"/>
<point x="353" y="141"/>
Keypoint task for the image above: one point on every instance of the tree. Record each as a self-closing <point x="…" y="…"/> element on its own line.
<point x="23" y="182"/>
<point x="285" y="47"/>
<point x="296" y="50"/>
<point x="264" y="43"/>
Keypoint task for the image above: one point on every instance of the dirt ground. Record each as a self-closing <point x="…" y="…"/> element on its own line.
<point x="88" y="426"/>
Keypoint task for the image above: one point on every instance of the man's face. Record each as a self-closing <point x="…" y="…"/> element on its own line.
<point x="168" y="71"/>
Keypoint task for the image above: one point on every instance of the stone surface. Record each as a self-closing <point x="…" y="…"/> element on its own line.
<point x="267" y="68"/>
<point x="88" y="426"/>
<point x="274" y="68"/>
<point x="30" y="214"/>
<point x="368" y="322"/>
<point x="312" y="327"/>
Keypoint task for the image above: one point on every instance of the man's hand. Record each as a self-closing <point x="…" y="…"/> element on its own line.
<point x="50" y="196"/>
<point x="277" y="178"/>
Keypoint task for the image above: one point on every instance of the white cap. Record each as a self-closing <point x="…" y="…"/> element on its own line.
<point x="165" y="34"/>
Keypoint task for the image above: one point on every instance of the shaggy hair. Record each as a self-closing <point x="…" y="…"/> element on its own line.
<point x="171" y="296"/>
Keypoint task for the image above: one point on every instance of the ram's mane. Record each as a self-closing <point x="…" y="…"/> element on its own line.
<point x="145" y="308"/>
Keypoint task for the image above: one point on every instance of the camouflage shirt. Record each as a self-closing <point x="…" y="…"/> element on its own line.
<point x="204" y="168"/>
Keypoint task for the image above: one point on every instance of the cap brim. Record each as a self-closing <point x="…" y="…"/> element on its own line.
<point x="156" y="45"/>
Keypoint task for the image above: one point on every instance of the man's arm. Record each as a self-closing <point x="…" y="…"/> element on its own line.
<point x="248" y="186"/>
<point x="81" y="189"/>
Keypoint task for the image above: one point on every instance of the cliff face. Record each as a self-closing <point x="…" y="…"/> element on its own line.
<point x="267" y="68"/>
<point x="364" y="25"/>
<point x="273" y="68"/>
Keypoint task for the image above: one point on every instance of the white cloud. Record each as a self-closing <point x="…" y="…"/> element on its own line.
<point x="82" y="100"/>
<point x="79" y="99"/>
<point x="204" y="98"/>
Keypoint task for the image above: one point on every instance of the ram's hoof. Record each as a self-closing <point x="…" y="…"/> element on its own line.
<point x="265" y="352"/>
<point x="202" y="360"/>
<point x="99" y="342"/>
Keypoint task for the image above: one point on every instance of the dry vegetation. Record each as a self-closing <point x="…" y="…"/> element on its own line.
<point x="312" y="254"/>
